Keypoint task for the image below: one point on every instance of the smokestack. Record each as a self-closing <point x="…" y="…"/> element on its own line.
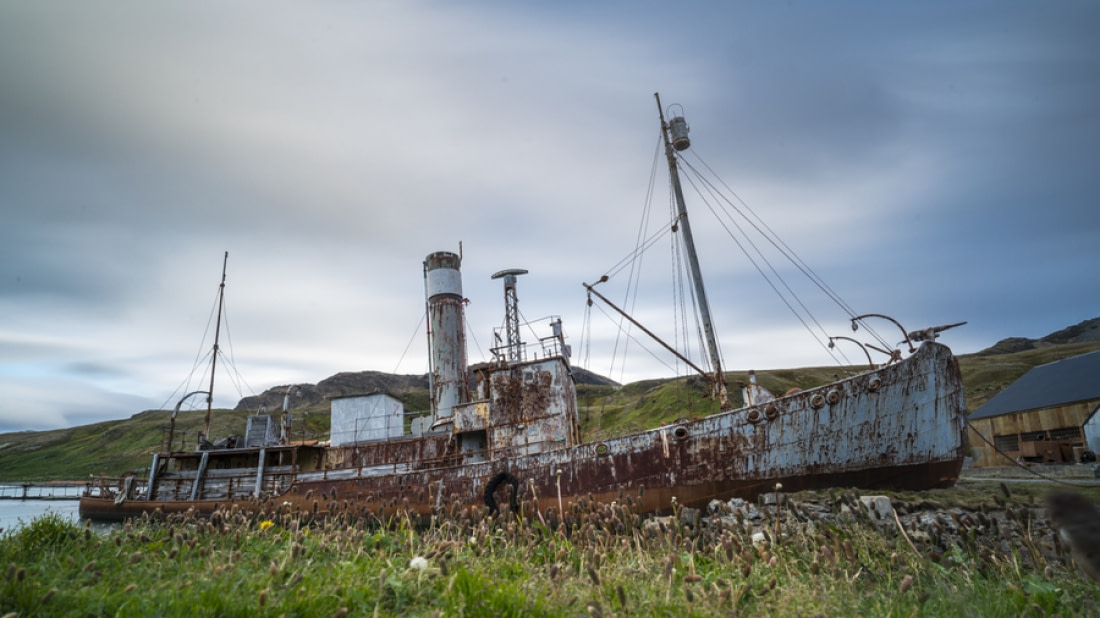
<point x="447" y="337"/>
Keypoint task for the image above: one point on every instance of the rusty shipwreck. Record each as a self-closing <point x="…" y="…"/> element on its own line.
<point x="504" y="434"/>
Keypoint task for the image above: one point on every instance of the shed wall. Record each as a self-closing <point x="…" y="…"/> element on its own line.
<point x="1044" y="433"/>
<point x="366" y="418"/>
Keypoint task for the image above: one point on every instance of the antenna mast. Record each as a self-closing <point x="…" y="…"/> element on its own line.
<point x="511" y="312"/>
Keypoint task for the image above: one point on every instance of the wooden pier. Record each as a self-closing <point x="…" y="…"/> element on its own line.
<point x="43" y="491"/>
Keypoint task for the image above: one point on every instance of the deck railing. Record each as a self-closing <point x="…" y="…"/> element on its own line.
<point x="41" y="491"/>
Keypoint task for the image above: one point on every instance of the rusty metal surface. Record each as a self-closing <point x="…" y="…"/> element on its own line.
<point x="425" y="451"/>
<point x="443" y="287"/>
<point x="899" y="427"/>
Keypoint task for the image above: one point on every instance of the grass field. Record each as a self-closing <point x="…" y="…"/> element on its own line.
<point x="981" y="551"/>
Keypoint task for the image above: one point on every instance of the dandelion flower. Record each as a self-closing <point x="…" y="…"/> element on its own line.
<point x="265" y="524"/>
<point x="419" y="563"/>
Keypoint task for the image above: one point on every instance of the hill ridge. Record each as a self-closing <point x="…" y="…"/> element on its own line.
<point x="1084" y="332"/>
<point x="408" y="388"/>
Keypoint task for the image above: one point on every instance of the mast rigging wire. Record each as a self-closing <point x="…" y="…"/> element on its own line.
<point x="730" y="213"/>
<point x="753" y="260"/>
<point x="773" y="238"/>
<point x="415" y="334"/>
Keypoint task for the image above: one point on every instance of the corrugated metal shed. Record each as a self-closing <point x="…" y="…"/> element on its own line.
<point x="1066" y="381"/>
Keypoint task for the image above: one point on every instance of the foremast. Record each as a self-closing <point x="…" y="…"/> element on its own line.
<point x="214" y="357"/>
<point x="681" y="143"/>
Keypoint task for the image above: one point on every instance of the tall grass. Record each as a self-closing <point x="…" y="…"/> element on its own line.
<point x="813" y="554"/>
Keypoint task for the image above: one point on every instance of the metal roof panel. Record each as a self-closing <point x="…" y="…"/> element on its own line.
<point x="1065" y="381"/>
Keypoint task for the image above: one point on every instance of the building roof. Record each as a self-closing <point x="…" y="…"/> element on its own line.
<point x="1066" y="381"/>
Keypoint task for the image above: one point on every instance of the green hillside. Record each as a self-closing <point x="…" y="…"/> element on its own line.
<point x="114" y="447"/>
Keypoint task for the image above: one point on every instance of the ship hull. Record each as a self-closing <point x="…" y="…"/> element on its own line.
<point x="901" y="427"/>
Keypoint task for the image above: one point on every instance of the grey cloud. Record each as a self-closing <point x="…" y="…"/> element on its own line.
<point x="911" y="152"/>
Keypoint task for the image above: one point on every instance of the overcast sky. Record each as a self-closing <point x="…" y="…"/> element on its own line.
<point x="936" y="162"/>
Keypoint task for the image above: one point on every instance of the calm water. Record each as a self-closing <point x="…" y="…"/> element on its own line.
<point x="12" y="511"/>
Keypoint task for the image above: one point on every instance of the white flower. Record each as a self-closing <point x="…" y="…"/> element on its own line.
<point x="419" y="563"/>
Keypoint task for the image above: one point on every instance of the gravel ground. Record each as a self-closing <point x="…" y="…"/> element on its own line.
<point x="1086" y="472"/>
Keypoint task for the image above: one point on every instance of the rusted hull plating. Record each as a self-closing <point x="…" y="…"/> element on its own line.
<point x="901" y="427"/>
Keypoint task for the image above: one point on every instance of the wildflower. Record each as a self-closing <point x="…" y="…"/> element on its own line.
<point x="419" y="563"/>
<point x="265" y="524"/>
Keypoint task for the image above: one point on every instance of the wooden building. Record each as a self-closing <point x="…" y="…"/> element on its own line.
<point x="1049" y="415"/>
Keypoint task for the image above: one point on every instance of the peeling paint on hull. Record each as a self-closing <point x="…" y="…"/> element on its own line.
<point x="900" y="427"/>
